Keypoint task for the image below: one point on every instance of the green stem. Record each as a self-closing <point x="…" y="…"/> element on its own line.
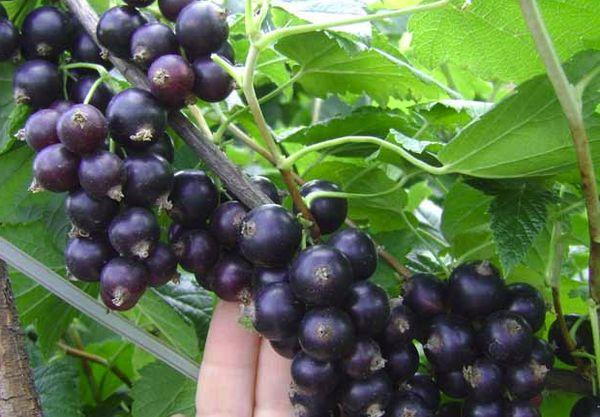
<point x="417" y="233"/>
<point x="227" y="67"/>
<point x="278" y="34"/>
<point x="593" y="308"/>
<point x="92" y="90"/>
<point x="290" y="160"/>
<point x="86" y="65"/>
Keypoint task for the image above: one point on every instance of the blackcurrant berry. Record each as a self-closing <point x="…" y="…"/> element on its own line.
<point x="363" y="360"/>
<point x="194" y="197"/>
<point x="321" y="275"/>
<point x="277" y="313"/>
<point x="329" y="212"/>
<point x="135" y="118"/>
<point x="266" y="276"/>
<point x="476" y="289"/>
<point x="61" y="106"/>
<point x="85" y="257"/>
<point x="314" y="376"/>
<point x="521" y="409"/>
<point x="359" y="249"/>
<point x="369" y="306"/>
<point x="82" y="129"/>
<point x="541" y="352"/>
<point x="170" y="8"/>
<point x="402" y="362"/>
<point x="484" y="380"/>
<point x="474" y="408"/>
<point x="9" y="39"/>
<point x="201" y="28"/>
<point x="122" y="283"/>
<point x="134" y="232"/>
<point x="525" y="300"/>
<point x="408" y="405"/>
<point x="80" y="88"/>
<point x="422" y="386"/>
<point x="162" y="147"/>
<point x="55" y="169"/>
<point x="401" y="327"/>
<point x="425" y="294"/>
<point x="37" y="83"/>
<point x="152" y="41"/>
<point x="175" y="232"/>
<point x="269" y="236"/>
<point x="227" y="52"/>
<point x="90" y="214"/>
<point x="450" y="343"/>
<point x="505" y="338"/>
<point x="311" y="405"/>
<point x="212" y="83"/>
<point x="586" y="407"/>
<point x="326" y="333"/>
<point x="40" y="129"/>
<point x="452" y="383"/>
<point x="84" y="49"/>
<point x="171" y="80"/>
<point x="366" y="398"/>
<point x="161" y="265"/>
<point x="267" y="187"/>
<point x="225" y="222"/>
<point x="583" y="337"/>
<point x="116" y="27"/>
<point x="450" y="409"/>
<point x="138" y="3"/>
<point x="149" y="179"/>
<point x="232" y="279"/>
<point x="197" y="251"/>
<point x="102" y="175"/>
<point x="287" y="348"/>
<point x="46" y="33"/>
<point x="526" y="380"/>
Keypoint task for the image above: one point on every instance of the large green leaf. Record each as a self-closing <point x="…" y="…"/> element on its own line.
<point x="56" y="384"/>
<point x="527" y="134"/>
<point x="491" y="39"/>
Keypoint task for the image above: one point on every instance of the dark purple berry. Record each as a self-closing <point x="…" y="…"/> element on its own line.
<point x="277" y="314"/>
<point x="227" y="52"/>
<point x="82" y="129"/>
<point x="287" y="348"/>
<point x="171" y="80"/>
<point x="116" y="27"/>
<point x="363" y="360"/>
<point x="267" y="187"/>
<point x="583" y="337"/>
<point x="311" y="405"/>
<point x="80" y="88"/>
<point x="152" y="41"/>
<point x="161" y="265"/>
<point x="526" y="380"/>
<point x="55" y="169"/>
<point x="84" y="49"/>
<point x="149" y="179"/>
<point x="269" y="236"/>
<point x="134" y="232"/>
<point x="176" y="231"/>
<point x="453" y="383"/>
<point x="505" y="338"/>
<point x="194" y="197"/>
<point x="329" y="212"/>
<point x="369" y="306"/>
<point x="197" y="252"/>
<point x="170" y="8"/>
<point x="450" y="343"/>
<point x="476" y="289"/>
<point x="162" y="147"/>
<point x="586" y="407"/>
<point x="61" y="106"/>
<point x="37" y="83"/>
<point x="451" y="409"/>
<point x="368" y="397"/>
<point x="541" y="352"/>
<point x="201" y="28"/>
<point x="484" y="380"/>
<point x="408" y="406"/>
<point x="135" y="118"/>
<point x="321" y="275"/>
<point x="266" y="276"/>
<point x="9" y="39"/>
<point x="326" y="333"/>
<point x="46" y="33"/>
<point x="402" y="326"/>
<point x="314" y="376"/>
<point x="525" y="300"/>
<point x="402" y="362"/>
<point x="40" y="129"/>
<point x="474" y="408"/>
<point x="225" y="222"/>
<point x="359" y="249"/>
<point x="102" y="175"/>
<point x="232" y="279"/>
<point x="90" y="214"/>
<point x="212" y="83"/>
<point x="122" y="283"/>
<point x="85" y="257"/>
<point x="521" y="409"/>
<point x="425" y="294"/>
<point x="422" y="386"/>
<point x="139" y="3"/>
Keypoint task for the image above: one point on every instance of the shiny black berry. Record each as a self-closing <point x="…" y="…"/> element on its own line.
<point x="194" y="197"/>
<point x="149" y="179"/>
<point x="227" y="52"/>
<point x="266" y="276"/>
<point x="162" y="147"/>
<point x="311" y="404"/>
<point x="277" y="313"/>
<point x="484" y="380"/>
<point x="225" y="222"/>
<point x="476" y="289"/>
<point x="402" y="326"/>
<point x="171" y="80"/>
<point x="359" y="249"/>
<point x="79" y="89"/>
<point x="505" y="338"/>
<point x="61" y="106"/>
<point x="152" y="41"/>
<point x="82" y="129"/>
<point x="525" y="300"/>
<point x="9" y="39"/>
<point x="369" y="306"/>
<point x="90" y="214"/>
<point x="326" y="333"/>
<point x="314" y="376"/>
<point x="452" y="383"/>
<point x="450" y="343"/>
<point x="425" y="294"/>
<point x="287" y="348"/>
<point x="85" y="257"/>
<point x="408" y="405"/>
<point x="201" y="28"/>
<point x="363" y="360"/>
<point x="84" y="49"/>
<point x="422" y="386"/>
<point x="55" y="169"/>
<point x="526" y="380"/>
<point x="474" y="408"/>
<point x="139" y="3"/>
<point x="170" y="9"/>
<point x="116" y="27"/>
<point x="122" y="283"/>
<point x="40" y="129"/>
<point x="583" y="337"/>
<point x="267" y="187"/>
<point x="212" y="83"/>
<point x="102" y="175"/>
<point x="134" y="232"/>
<point x="402" y="362"/>
<point x="161" y="265"/>
<point x="37" y="83"/>
<point x="329" y="212"/>
<point x="521" y="409"/>
<point x="46" y="33"/>
<point x="232" y="279"/>
<point x="197" y="252"/>
<point x="368" y="397"/>
<point x="542" y="353"/>
<point x="586" y="407"/>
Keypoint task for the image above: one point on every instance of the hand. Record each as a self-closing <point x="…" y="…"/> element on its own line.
<point x="241" y="375"/>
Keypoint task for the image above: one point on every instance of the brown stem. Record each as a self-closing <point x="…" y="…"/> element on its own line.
<point x="568" y="381"/>
<point x="87" y="369"/>
<point x="18" y="396"/>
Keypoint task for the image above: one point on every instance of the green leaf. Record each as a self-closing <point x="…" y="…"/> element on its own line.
<point x="162" y="392"/>
<point x="517" y="217"/>
<point x="12" y="117"/>
<point x="527" y="134"/>
<point x="491" y="39"/>
<point x="56" y="383"/>
<point x="329" y="68"/>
